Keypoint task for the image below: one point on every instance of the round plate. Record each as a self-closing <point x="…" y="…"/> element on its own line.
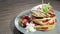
<point x="54" y="31"/>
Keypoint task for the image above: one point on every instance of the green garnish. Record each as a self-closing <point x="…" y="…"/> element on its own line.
<point x="46" y="7"/>
<point x="20" y="23"/>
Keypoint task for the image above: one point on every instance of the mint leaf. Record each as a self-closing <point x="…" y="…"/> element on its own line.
<point x="46" y="7"/>
<point x="20" y="22"/>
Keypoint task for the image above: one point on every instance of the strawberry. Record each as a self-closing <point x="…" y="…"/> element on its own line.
<point x="44" y="28"/>
<point x="52" y="15"/>
<point x="51" y="23"/>
<point x="45" y="20"/>
<point x="26" y="17"/>
<point x="24" y="21"/>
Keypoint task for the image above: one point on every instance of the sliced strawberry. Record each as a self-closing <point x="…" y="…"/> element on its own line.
<point x="44" y="28"/>
<point x="26" y="17"/>
<point x="51" y="23"/>
<point x="45" y="20"/>
<point x="52" y="15"/>
<point x="24" y="21"/>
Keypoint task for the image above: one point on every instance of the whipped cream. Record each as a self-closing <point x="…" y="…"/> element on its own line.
<point x="30" y="27"/>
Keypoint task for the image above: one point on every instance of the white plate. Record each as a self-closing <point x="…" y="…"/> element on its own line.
<point x="54" y="31"/>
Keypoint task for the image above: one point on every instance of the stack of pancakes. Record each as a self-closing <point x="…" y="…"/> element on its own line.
<point x="44" y="21"/>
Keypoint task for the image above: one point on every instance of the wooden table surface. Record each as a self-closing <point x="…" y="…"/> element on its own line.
<point x="9" y="9"/>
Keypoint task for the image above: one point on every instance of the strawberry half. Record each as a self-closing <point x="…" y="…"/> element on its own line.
<point x="26" y="17"/>
<point x="24" y="21"/>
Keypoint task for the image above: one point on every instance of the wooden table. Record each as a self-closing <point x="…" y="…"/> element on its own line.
<point x="9" y="9"/>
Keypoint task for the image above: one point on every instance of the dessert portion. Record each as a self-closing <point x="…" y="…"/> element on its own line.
<point x="42" y="17"/>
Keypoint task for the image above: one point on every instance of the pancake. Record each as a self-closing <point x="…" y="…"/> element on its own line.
<point x="44" y="16"/>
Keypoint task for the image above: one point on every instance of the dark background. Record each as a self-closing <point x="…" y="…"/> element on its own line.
<point x="9" y="9"/>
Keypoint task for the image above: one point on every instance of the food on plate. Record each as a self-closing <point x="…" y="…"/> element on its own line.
<point x="42" y="17"/>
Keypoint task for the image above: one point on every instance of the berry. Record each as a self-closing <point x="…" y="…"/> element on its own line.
<point x="45" y="20"/>
<point x="52" y="15"/>
<point x="44" y="28"/>
<point x="24" y="21"/>
<point x="26" y="17"/>
<point x="51" y="23"/>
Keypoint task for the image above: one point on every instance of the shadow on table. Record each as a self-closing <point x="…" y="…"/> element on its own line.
<point x="13" y="28"/>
